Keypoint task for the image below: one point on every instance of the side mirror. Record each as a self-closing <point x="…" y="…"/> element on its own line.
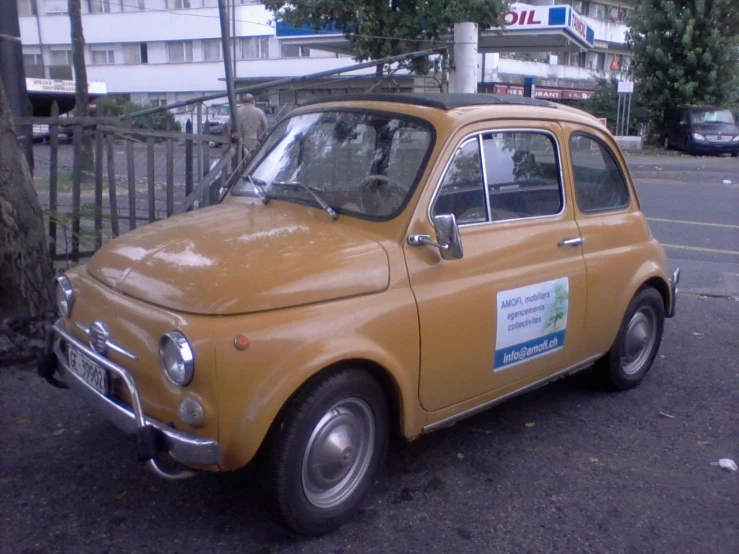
<point x="448" y="240"/>
<point x="447" y="234"/>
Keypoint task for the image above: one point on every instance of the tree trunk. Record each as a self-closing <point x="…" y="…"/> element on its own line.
<point x="81" y="95"/>
<point x="26" y="272"/>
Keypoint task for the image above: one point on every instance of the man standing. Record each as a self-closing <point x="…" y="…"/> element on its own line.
<point x="252" y="122"/>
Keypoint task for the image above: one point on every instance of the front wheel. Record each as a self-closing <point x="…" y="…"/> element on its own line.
<point x="637" y="342"/>
<point x="327" y="449"/>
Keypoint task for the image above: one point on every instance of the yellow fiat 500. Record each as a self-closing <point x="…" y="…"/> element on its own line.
<point x="384" y="262"/>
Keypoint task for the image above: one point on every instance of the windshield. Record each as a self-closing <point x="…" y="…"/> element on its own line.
<point x="360" y="163"/>
<point x="712" y="116"/>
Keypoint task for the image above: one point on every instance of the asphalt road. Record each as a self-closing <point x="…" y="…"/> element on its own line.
<point x="597" y="472"/>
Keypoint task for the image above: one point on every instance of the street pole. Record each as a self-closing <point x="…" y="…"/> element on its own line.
<point x="464" y="76"/>
<point x="11" y="59"/>
<point x="226" y="47"/>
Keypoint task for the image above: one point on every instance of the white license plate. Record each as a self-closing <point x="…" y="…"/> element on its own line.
<point x="91" y="372"/>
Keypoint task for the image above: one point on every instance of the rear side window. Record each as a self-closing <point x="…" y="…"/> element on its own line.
<point x="599" y="184"/>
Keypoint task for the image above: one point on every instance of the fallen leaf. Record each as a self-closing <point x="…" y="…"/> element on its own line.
<point x="695" y="334"/>
<point x="23" y="421"/>
<point x="594" y="460"/>
<point x="667" y="415"/>
<point x="530" y="424"/>
<point x="121" y="495"/>
<point x="460" y="456"/>
<point x="704" y="443"/>
<point x="57" y="432"/>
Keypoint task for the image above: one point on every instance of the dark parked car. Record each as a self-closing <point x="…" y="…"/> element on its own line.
<point x="701" y="130"/>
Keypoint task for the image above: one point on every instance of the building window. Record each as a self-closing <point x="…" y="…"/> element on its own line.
<point x="61" y="64"/>
<point x="26" y="7"/>
<point x="158" y="100"/>
<point x="133" y="5"/>
<point x="179" y="51"/>
<point x="597" y="11"/>
<point x="30" y="60"/>
<point x="178" y="4"/>
<point x="212" y="50"/>
<point x="135" y="53"/>
<point x="61" y="57"/>
<point x="55" y="7"/>
<point x="98" y="6"/>
<point x="581" y="7"/>
<point x="103" y="57"/>
<point x="254" y="48"/>
<point x="294" y="51"/>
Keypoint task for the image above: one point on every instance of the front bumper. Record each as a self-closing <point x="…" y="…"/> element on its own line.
<point x="674" y="280"/>
<point x="707" y="147"/>
<point x="151" y="436"/>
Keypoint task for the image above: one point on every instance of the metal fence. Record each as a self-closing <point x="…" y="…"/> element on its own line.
<point x="132" y="176"/>
<point x="135" y="174"/>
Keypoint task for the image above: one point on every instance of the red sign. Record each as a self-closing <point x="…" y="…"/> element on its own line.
<point x="578" y="24"/>
<point x="524" y="17"/>
<point x="546" y="93"/>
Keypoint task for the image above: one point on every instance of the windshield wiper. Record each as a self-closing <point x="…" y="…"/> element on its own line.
<point x="321" y="202"/>
<point x="261" y="191"/>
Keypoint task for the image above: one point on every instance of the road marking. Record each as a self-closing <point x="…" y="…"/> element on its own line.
<point x="693" y="222"/>
<point x="701" y="249"/>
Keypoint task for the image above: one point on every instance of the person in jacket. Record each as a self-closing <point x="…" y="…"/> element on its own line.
<point x="252" y="122"/>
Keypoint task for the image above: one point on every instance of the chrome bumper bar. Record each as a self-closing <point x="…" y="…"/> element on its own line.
<point x="183" y="447"/>
<point x="674" y="280"/>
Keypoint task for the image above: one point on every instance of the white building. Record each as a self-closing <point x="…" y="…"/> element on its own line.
<point x="164" y="51"/>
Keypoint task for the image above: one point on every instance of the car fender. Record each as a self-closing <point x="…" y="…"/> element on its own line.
<point x="262" y="404"/>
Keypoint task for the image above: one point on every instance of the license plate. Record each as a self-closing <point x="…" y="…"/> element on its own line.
<point x="91" y="372"/>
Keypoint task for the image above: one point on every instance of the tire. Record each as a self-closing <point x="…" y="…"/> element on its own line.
<point x="341" y="420"/>
<point x="637" y="342"/>
<point x="734" y="154"/>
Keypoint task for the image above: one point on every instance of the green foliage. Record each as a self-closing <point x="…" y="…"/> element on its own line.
<point x="685" y="52"/>
<point x="115" y="106"/>
<point x="160" y="120"/>
<point x="381" y="28"/>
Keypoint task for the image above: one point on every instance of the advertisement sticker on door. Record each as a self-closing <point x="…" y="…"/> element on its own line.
<point x="532" y="322"/>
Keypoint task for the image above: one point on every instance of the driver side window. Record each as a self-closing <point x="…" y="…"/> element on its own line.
<point x="461" y="190"/>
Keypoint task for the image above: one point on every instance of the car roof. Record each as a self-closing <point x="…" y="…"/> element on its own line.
<point x="442" y="101"/>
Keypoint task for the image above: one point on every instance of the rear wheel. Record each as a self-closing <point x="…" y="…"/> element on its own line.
<point x="327" y="449"/>
<point x="637" y="342"/>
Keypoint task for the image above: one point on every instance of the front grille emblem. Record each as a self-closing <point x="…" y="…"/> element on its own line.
<point x="99" y="337"/>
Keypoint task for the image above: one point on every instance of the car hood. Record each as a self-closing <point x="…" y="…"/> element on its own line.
<point x="236" y="259"/>
<point x="715" y="129"/>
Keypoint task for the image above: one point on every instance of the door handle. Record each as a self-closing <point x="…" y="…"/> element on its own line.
<point x="577" y="241"/>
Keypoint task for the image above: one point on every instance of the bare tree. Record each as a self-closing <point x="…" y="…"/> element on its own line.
<point x="81" y="95"/>
<point x="26" y="272"/>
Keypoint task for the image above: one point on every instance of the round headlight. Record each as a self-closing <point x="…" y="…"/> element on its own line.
<point x="177" y="358"/>
<point x="64" y="295"/>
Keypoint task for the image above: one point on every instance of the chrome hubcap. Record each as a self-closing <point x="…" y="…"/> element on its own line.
<point x="338" y="453"/>
<point x="639" y="340"/>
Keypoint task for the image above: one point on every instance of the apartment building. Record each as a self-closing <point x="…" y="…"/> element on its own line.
<point x="164" y="51"/>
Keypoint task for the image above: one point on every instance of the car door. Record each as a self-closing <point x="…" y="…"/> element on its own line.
<point x="510" y="311"/>
<point x="616" y="238"/>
